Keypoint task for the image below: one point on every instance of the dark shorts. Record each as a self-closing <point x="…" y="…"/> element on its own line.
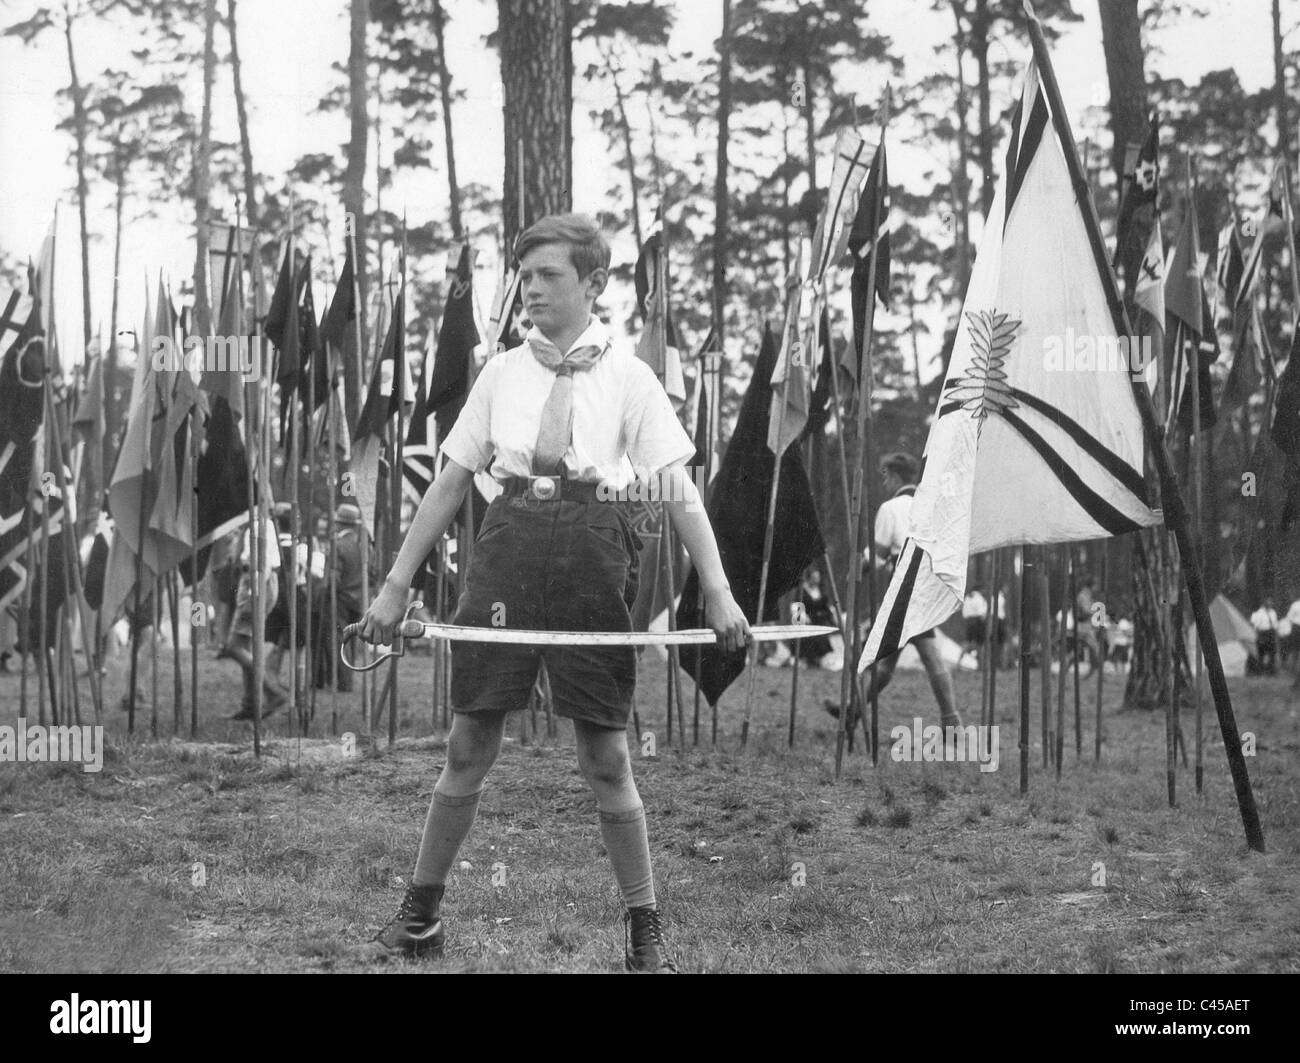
<point x="558" y="566"/>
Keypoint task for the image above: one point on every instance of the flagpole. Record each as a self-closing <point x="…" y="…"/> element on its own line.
<point x="1176" y="514"/>
<point x="72" y="564"/>
<point x="331" y="645"/>
<point x="989" y="674"/>
<point x="1067" y="615"/>
<point x="1103" y="646"/>
<point x="1074" y="656"/>
<point x="259" y="430"/>
<point x="364" y="535"/>
<point x="1045" y="654"/>
<point x="788" y="351"/>
<point x="1197" y="446"/>
<point x="1026" y="633"/>
<point x="851" y="641"/>
<point x="395" y="473"/>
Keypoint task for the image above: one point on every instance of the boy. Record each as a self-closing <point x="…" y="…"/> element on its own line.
<point x="560" y="416"/>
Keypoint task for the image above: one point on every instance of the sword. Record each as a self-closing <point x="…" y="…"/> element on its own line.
<point x="410" y="628"/>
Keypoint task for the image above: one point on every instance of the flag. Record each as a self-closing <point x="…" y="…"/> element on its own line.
<point x="315" y="358"/>
<point x="222" y="483"/>
<point x="1250" y="351"/>
<point x="22" y="412"/>
<point x="1183" y="295"/>
<point x="1149" y="296"/>
<point x="228" y="385"/>
<point x="705" y="402"/>
<point x="1285" y="430"/>
<point x="1139" y="203"/>
<point x="738" y="510"/>
<point x="419" y="457"/>
<point x="1037" y="438"/>
<point x="453" y="360"/>
<point x="788" y="415"/>
<point x="1232" y="262"/>
<point x="869" y="229"/>
<point x="823" y="396"/>
<point x="283" y="329"/>
<point x="338" y="330"/>
<point x="658" y="346"/>
<point x="831" y="236"/>
<point x="383" y="399"/>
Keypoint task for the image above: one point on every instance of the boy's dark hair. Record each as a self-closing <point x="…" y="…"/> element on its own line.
<point x="588" y="249"/>
<point x="904" y="466"/>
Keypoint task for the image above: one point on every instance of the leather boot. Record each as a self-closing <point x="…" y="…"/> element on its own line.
<point x="416" y="929"/>
<point x="646" y="952"/>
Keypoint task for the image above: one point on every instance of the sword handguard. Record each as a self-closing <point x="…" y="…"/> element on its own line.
<point x="409" y="628"/>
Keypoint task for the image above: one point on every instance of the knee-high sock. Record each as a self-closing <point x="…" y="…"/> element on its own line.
<point x="445" y="830"/>
<point x="628" y="845"/>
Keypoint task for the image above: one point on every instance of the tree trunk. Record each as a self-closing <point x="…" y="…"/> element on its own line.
<point x="202" y="178"/>
<point x="536" y="65"/>
<point x="110" y="355"/>
<point x="979" y="46"/>
<point x="354" y="195"/>
<point x="625" y="127"/>
<point x="720" y="195"/>
<point x="79" y="124"/>
<point x="1121" y="39"/>
<point x="961" y="179"/>
<point x="810" y="128"/>
<point x="1279" y="87"/>
<point x="241" y="112"/>
<point x="444" y="89"/>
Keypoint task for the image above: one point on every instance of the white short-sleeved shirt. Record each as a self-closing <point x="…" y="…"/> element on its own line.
<point x="624" y="426"/>
<point x="893" y="522"/>
<point x="1264" y="619"/>
<point x="975" y="606"/>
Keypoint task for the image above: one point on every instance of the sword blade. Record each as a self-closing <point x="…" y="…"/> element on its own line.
<point x="685" y="637"/>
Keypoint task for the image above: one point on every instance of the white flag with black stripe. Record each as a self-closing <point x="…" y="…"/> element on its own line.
<point x="1037" y="438"/>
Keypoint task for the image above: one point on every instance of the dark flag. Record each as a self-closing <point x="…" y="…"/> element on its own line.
<point x="22" y="409"/>
<point x="454" y="356"/>
<point x="383" y="399"/>
<point x="1138" y="204"/>
<point x="222" y="483"/>
<point x="338" y="330"/>
<point x="737" y="508"/>
<point x="1285" y="430"/>
<point x="312" y="347"/>
<point x="823" y="396"/>
<point x="1232" y="263"/>
<point x="874" y="203"/>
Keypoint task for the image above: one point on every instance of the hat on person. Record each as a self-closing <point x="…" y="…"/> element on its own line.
<point x="348" y="514"/>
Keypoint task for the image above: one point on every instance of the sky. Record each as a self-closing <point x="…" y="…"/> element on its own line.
<point x="286" y="71"/>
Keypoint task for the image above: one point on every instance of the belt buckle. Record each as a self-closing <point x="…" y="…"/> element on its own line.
<point x="543" y="488"/>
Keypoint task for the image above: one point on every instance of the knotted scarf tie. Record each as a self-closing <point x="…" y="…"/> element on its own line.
<point x="556" y="432"/>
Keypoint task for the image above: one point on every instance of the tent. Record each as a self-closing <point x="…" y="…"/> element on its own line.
<point x="1232" y="631"/>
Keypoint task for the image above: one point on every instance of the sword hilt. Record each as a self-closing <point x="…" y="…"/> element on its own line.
<point x="409" y="628"/>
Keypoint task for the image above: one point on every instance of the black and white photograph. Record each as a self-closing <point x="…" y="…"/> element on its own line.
<point x="657" y="486"/>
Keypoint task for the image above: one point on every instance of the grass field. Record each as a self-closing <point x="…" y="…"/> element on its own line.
<point x="906" y="867"/>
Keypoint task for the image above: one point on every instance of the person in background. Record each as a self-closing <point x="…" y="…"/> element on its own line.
<point x="1085" y="625"/>
<point x="974" y="613"/>
<point x="1264" y="621"/>
<point x="239" y="645"/>
<point x="898" y="474"/>
<point x="1289" y="642"/>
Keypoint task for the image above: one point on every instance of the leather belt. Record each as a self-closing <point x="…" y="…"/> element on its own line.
<point x="550" y="489"/>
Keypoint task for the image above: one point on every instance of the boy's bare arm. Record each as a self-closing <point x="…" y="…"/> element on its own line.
<point x="437" y="510"/>
<point x="686" y="511"/>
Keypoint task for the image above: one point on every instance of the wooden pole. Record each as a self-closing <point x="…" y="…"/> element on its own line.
<point x="363" y="536"/>
<point x="1175" y="511"/>
<point x="178" y="684"/>
<point x="791" y="334"/>
<point x="396" y="473"/>
<point x="1045" y="655"/>
<point x="72" y="567"/>
<point x="194" y="572"/>
<point x="1025" y="636"/>
<point x="1069" y="633"/>
<point x="1103" y="645"/>
<point x="858" y="499"/>
<point x="1074" y="655"/>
